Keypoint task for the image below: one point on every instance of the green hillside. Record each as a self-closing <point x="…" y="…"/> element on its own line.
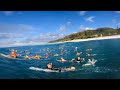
<point x="100" y="32"/>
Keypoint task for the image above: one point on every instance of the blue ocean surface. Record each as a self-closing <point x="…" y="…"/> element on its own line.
<point x="106" y="52"/>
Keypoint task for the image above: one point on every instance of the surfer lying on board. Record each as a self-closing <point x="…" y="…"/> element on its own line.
<point x="72" y="60"/>
<point x="37" y="57"/>
<point x="78" y="53"/>
<point x="56" y="54"/>
<point x="50" y="66"/>
<point x="87" y="54"/>
<point x="13" y="54"/>
<point x="27" y="57"/>
<point x="70" y="69"/>
<point x="63" y="60"/>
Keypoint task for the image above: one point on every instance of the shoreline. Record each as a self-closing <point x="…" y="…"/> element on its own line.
<point x="77" y="40"/>
<point x="90" y="39"/>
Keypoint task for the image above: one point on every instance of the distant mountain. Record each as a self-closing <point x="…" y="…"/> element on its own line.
<point x="99" y="32"/>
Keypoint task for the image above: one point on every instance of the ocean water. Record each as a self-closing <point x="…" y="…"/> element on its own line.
<point x="106" y="52"/>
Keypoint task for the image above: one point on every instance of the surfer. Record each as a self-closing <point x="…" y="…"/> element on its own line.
<point x="72" y="60"/>
<point x="78" y="53"/>
<point x="46" y="55"/>
<point x="50" y="66"/>
<point x="56" y="54"/>
<point x="27" y="57"/>
<point x="70" y="69"/>
<point x="89" y="49"/>
<point x="37" y="57"/>
<point x="63" y="60"/>
<point x="87" y="54"/>
<point x="13" y="54"/>
<point x="91" y="62"/>
<point x="78" y="59"/>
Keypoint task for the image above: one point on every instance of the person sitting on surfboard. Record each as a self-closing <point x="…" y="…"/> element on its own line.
<point x="13" y="54"/>
<point x="91" y="62"/>
<point x="78" y="59"/>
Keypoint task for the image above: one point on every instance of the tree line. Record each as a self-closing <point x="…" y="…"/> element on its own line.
<point x="99" y="32"/>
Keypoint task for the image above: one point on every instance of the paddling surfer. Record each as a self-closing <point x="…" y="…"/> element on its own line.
<point x="13" y="54"/>
<point x="50" y="66"/>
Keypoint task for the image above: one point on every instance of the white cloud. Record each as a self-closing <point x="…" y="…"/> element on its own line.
<point x="40" y="39"/>
<point x="117" y="12"/>
<point x="68" y="23"/>
<point x="82" y="28"/>
<point x="15" y="28"/>
<point x="62" y="28"/>
<point x="14" y="33"/>
<point x="9" y="36"/>
<point x="90" y="19"/>
<point x="88" y="28"/>
<point x="82" y="13"/>
<point x="8" y="13"/>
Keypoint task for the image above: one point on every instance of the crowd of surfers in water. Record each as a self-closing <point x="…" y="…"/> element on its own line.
<point x="13" y="54"/>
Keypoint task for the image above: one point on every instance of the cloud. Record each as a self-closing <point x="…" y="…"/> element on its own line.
<point x="68" y="23"/>
<point x="82" y="13"/>
<point x="15" y="33"/>
<point x="90" y="19"/>
<point x="64" y="27"/>
<point x="21" y="34"/>
<point x="15" y="28"/>
<point x="8" y="13"/>
<point x="82" y="28"/>
<point x="8" y="36"/>
<point x="88" y="28"/>
<point x="40" y="39"/>
<point x="117" y="12"/>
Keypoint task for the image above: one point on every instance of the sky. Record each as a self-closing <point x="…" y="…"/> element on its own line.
<point x="19" y="28"/>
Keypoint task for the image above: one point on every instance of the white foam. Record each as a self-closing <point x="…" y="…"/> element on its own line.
<point x="40" y="69"/>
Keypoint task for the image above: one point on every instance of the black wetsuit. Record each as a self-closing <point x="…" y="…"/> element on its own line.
<point x="78" y="60"/>
<point x="56" y="69"/>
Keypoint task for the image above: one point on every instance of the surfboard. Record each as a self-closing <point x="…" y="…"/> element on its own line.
<point x="41" y="69"/>
<point x="89" y="64"/>
<point x="8" y="56"/>
<point x="61" y="61"/>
